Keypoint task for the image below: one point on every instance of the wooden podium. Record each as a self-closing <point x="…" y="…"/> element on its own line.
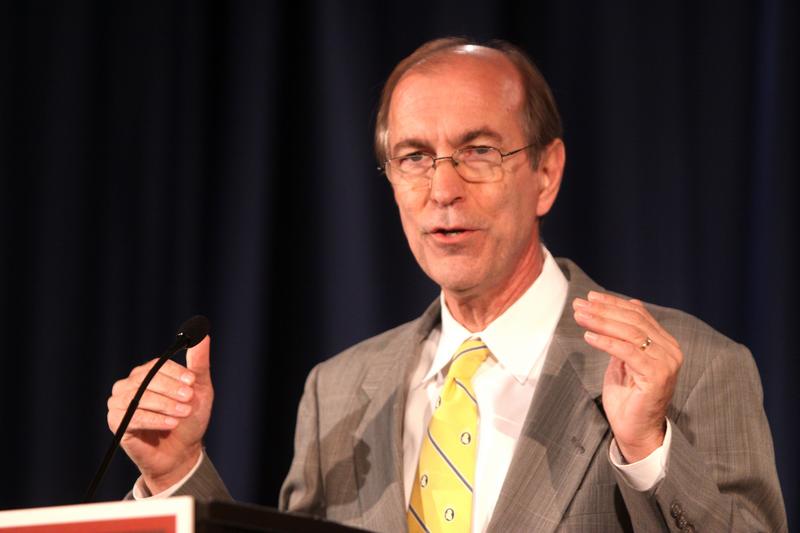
<point x="171" y="515"/>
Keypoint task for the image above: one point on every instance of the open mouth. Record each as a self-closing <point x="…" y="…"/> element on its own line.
<point x="450" y="233"/>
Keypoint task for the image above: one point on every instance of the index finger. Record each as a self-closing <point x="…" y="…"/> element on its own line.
<point x="632" y="305"/>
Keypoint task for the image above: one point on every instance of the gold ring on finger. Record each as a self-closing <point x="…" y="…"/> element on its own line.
<point x="647" y="342"/>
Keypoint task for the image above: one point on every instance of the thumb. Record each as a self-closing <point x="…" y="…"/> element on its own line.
<point x="197" y="360"/>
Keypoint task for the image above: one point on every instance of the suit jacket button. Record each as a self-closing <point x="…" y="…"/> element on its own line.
<point x="681" y="522"/>
<point x="689" y="528"/>
<point x="675" y="510"/>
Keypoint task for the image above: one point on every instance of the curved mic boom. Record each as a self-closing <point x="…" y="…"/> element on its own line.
<point x="189" y="334"/>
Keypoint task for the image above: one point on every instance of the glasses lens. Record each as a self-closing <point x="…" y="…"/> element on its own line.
<point x="413" y="165"/>
<point x="478" y="163"/>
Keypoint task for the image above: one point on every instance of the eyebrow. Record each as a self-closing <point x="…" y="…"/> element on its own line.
<point x="465" y="138"/>
<point x="471" y="135"/>
<point x="416" y="144"/>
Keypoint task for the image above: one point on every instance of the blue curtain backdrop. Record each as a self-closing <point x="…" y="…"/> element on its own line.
<point x="159" y="159"/>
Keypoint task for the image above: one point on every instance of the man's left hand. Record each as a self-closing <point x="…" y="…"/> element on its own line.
<point x="641" y="374"/>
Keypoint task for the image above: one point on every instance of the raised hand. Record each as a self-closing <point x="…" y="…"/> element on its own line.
<point x="165" y="435"/>
<point x="641" y="374"/>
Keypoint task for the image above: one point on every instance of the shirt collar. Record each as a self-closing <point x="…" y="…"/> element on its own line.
<point x="519" y="336"/>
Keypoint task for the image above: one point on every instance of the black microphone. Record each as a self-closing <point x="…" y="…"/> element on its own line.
<point x="189" y="334"/>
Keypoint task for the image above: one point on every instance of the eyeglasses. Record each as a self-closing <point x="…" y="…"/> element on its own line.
<point x="475" y="164"/>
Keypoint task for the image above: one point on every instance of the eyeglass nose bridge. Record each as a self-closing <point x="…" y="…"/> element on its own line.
<point x="435" y="160"/>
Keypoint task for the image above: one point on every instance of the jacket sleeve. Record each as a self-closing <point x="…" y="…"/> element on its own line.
<point x="303" y="490"/>
<point x="205" y="484"/>
<point x="720" y="473"/>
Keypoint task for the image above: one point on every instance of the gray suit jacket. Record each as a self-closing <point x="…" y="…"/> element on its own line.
<point x="720" y="475"/>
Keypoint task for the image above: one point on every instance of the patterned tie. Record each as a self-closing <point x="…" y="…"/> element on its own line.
<point x="441" y="499"/>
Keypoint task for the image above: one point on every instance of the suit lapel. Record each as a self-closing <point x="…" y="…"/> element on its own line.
<point x="562" y="431"/>
<point x="379" y="471"/>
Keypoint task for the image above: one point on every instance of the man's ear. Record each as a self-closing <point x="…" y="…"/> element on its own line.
<point x="551" y="168"/>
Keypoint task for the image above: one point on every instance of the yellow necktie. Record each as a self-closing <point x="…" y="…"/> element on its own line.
<point x="441" y="499"/>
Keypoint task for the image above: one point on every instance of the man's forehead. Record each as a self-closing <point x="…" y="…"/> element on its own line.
<point x="476" y="88"/>
<point x="469" y="71"/>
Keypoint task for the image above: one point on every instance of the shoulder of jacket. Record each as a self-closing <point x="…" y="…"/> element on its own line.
<point x="353" y="362"/>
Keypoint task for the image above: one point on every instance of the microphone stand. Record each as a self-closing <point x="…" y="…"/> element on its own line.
<point x="197" y="328"/>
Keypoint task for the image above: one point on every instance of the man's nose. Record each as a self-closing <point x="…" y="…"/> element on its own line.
<point x="447" y="185"/>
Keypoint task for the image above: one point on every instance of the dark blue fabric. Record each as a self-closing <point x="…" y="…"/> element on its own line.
<point x="160" y="159"/>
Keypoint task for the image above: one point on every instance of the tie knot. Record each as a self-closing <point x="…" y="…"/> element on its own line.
<point x="469" y="356"/>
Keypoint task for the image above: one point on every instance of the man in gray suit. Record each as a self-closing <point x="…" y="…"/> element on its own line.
<point x="597" y="412"/>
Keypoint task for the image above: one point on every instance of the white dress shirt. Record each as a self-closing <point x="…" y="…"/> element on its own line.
<point x="504" y="386"/>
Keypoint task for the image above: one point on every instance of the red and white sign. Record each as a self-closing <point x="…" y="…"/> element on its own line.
<point x="171" y="515"/>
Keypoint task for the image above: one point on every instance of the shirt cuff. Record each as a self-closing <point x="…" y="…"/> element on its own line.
<point x="645" y="474"/>
<point x="141" y="492"/>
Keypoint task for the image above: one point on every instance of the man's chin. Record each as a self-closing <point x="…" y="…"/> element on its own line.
<point x="458" y="283"/>
<point x="454" y="273"/>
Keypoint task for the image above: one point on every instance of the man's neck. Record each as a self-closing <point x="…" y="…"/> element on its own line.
<point x="476" y="311"/>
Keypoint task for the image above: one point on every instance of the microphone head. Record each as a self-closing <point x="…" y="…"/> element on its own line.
<point x="194" y="330"/>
